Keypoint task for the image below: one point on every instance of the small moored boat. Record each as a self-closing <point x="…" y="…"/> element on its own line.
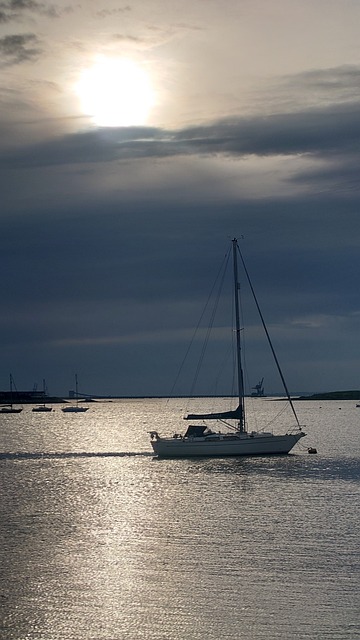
<point x="10" y="408"/>
<point x="75" y="408"/>
<point x="43" y="408"/>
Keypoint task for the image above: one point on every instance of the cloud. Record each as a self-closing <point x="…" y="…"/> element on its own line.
<point x="313" y="131"/>
<point x="104" y="13"/>
<point x="14" y="10"/>
<point x="19" y="48"/>
<point x="311" y="89"/>
<point x="127" y="38"/>
<point x="328" y="133"/>
<point x="338" y="83"/>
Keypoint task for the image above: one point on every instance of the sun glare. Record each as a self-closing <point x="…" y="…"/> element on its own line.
<point x="115" y="93"/>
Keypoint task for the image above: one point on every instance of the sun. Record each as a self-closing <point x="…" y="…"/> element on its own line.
<point x="115" y="92"/>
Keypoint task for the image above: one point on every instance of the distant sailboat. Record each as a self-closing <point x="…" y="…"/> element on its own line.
<point x="10" y="407"/>
<point x="75" y="408"/>
<point x="43" y="408"/>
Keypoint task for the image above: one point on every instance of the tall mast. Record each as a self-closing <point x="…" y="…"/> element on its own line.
<point x="240" y="376"/>
<point x="11" y="390"/>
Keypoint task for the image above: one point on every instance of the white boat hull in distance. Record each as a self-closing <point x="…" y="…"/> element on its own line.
<point x="75" y="409"/>
<point x="220" y="445"/>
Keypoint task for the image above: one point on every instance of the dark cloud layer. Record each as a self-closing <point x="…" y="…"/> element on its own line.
<point x="119" y="287"/>
<point x="328" y="132"/>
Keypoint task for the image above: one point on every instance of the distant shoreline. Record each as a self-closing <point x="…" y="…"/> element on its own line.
<point x="333" y="395"/>
<point x="29" y="398"/>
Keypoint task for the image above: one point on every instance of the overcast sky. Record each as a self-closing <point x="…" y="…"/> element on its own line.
<point x="136" y="140"/>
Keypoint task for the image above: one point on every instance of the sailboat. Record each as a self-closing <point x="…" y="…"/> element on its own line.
<point x="200" y="440"/>
<point x="75" y="408"/>
<point x="43" y="408"/>
<point x="10" y="407"/>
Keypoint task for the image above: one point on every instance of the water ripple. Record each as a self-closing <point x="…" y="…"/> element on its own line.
<point x="42" y="455"/>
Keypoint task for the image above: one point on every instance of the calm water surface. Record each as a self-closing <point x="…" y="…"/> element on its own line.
<point x="99" y="541"/>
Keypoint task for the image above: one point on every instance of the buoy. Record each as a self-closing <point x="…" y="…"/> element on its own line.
<point x="312" y="450"/>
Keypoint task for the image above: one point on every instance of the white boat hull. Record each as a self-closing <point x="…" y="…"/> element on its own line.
<point x="75" y="409"/>
<point x="245" y="444"/>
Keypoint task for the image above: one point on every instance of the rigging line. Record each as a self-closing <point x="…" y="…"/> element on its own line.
<point x="222" y="267"/>
<point x="228" y="425"/>
<point x="211" y="322"/>
<point x="276" y="417"/>
<point x="268" y="338"/>
<point x="233" y="349"/>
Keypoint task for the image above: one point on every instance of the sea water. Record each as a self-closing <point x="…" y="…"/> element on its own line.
<point x="100" y="541"/>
